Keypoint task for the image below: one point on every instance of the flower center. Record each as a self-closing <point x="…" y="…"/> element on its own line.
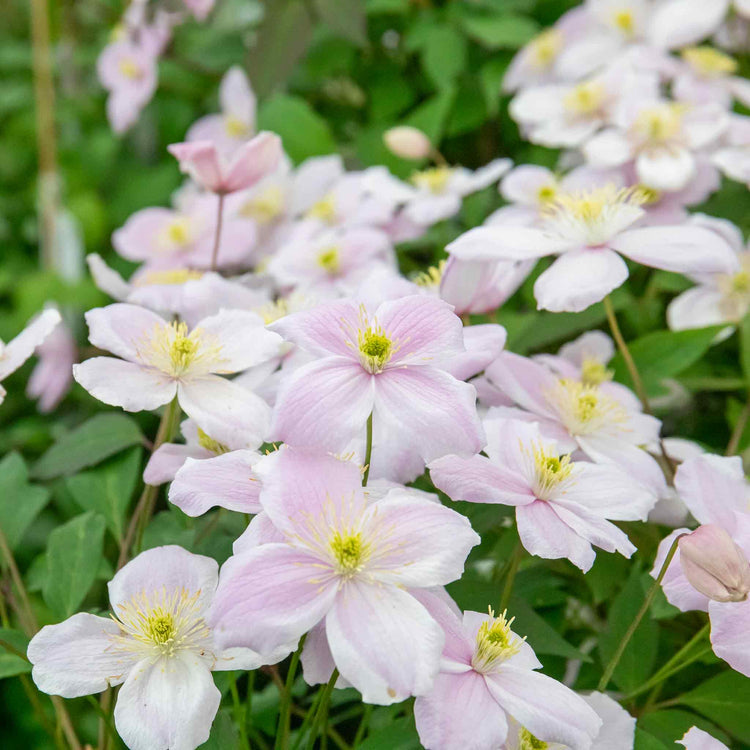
<point x="550" y="471"/>
<point x="169" y="278"/>
<point x="265" y="207"/>
<point x="593" y="372"/>
<point x="349" y="551"/>
<point x="176" y="233"/>
<point x="183" y="348"/>
<point x="709" y="62"/>
<point x="173" y="350"/>
<point x="329" y="261"/>
<point x="130" y="68"/>
<point x="624" y="21"/>
<point x="527" y="741"/>
<point x="162" y="623"/>
<point x="583" y="408"/>
<point x="207" y="442"/>
<point x="236" y="128"/>
<point x="546" y="194"/>
<point x="434" y="179"/>
<point x="495" y="643"/>
<point x="375" y="348"/>
<point x="659" y="125"/>
<point x="544" y="48"/>
<point x="324" y="209"/>
<point x="585" y="98"/>
<point x="431" y="278"/>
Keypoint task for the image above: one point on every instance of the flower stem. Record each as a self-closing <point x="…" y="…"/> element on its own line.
<point x="635" y="376"/>
<point x="362" y="728"/>
<point x="368" y="451"/>
<point x="615" y="660"/>
<point x="321" y="713"/>
<point x="217" y="234"/>
<point x="145" y="507"/>
<point x="510" y="577"/>
<point x="282" y="733"/>
<point x="739" y="429"/>
<point x="239" y="713"/>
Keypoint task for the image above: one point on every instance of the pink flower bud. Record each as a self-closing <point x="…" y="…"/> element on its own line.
<point x="715" y="565"/>
<point x="407" y="142"/>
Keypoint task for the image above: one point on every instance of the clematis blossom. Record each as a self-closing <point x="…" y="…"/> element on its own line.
<point x="350" y="560"/>
<point x="563" y="507"/>
<point x="587" y="230"/>
<point x="162" y="360"/>
<point x="52" y="377"/>
<point x="157" y="645"/>
<point x="488" y="683"/>
<point x="697" y="739"/>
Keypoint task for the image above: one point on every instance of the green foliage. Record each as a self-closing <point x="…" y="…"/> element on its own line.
<point x="20" y="502"/>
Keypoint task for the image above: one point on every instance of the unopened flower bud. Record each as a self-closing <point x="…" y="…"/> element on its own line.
<point x="407" y="142"/>
<point x="715" y="565"/>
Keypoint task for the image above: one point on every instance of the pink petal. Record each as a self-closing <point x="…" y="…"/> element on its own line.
<point x="252" y="161"/>
<point x="384" y="642"/>
<point x="167" y="459"/>
<point x="460" y="713"/>
<point x="523" y="381"/>
<point x="459" y="647"/>
<point x="77" y="656"/>
<point x="324" y="404"/>
<point x="122" y="329"/>
<point x="548" y="709"/>
<point x="227" y="412"/>
<point x="697" y="739"/>
<point x="416" y="542"/>
<point x="683" y="249"/>
<point x="19" y="349"/>
<point x="225" y="481"/>
<point x="430" y="409"/>
<point x="479" y="480"/>
<point x="268" y="597"/>
<point x="260" y="530"/>
<point x="730" y="624"/>
<point x="200" y="160"/>
<point x="578" y="279"/>
<point x="678" y="590"/>
<point x="506" y="243"/>
<point x="125" y="384"/>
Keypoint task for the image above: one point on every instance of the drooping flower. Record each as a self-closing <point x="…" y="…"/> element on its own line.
<point x="389" y="363"/>
<point x="215" y="172"/>
<point x="350" y="559"/>
<point x="562" y="506"/>
<point x="157" y="644"/>
<point x="487" y="680"/>
<point x="18" y="350"/>
<point x="163" y="360"/>
<point x="587" y="230"/>
<point x="52" y="377"/>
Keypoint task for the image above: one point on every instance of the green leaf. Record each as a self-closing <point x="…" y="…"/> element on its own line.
<point x="671" y="725"/>
<point x="74" y="553"/>
<point x="664" y="354"/>
<point x="346" y="17"/>
<point x="725" y="699"/>
<point x="638" y="659"/>
<point x="646" y="741"/>
<point x="109" y="488"/>
<point x="100" y="437"/>
<point x="20" y="502"/>
<point x="744" y="333"/>
<point x="432" y="116"/>
<point x="224" y="733"/>
<point x="400" y="734"/>
<point x="508" y="31"/>
<point x="444" y="55"/>
<point x="304" y="132"/>
<point x="491" y="78"/>
<point x="10" y="663"/>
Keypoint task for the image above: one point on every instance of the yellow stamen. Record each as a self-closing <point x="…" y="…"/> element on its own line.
<point x="324" y="210"/>
<point x="329" y="260"/>
<point x="544" y="48"/>
<point x="265" y="207"/>
<point x="207" y="442"/>
<point x="432" y="277"/>
<point x="624" y="21"/>
<point x="551" y="470"/>
<point x="527" y="741"/>
<point x="660" y="124"/>
<point x="593" y="372"/>
<point x="130" y="68"/>
<point x="173" y="350"/>
<point x="174" y="277"/>
<point x="495" y="643"/>
<point x="546" y="194"/>
<point x="709" y="62"/>
<point x="375" y="348"/>
<point x="434" y="179"/>
<point x="274" y="310"/>
<point x="585" y="98"/>
<point x="349" y="551"/>
<point x="583" y="408"/>
<point x="236" y="128"/>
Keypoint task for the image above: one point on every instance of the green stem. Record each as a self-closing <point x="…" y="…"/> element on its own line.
<point x="239" y="713"/>
<point x="282" y="733"/>
<point x="514" y="562"/>
<point x="614" y="661"/>
<point x="362" y="728"/>
<point x="322" y="710"/>
<point x="368" y="451"/>
<point x="675" y="664"/>
<point x="739" y="429"/>
<point x="635" y="376"/>
<point x="217" y="234"/>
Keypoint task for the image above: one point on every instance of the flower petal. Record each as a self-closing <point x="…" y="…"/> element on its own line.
<point x="730" y="622"/>
<point x="19" y="349"/>
<point x="506" y="243"/>
<point x="122" y="328"/>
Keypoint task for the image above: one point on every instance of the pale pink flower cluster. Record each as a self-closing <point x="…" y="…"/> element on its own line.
<point x="269" y="307"/>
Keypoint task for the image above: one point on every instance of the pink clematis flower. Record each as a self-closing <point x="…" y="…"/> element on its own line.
<point x="391" y="364"/>
<point x="588" y="230"/>
<point x="248" y="164"/>
<point x="18" y="350"/>
<point x="161" y="361"/>
<point x="351" y="560"/>
<point x="562" y="507"/>
<point x="157" y="645"/>
<point x="487" y="682"/>
<point x="236" y="123"/>
<point x="52" y="377"/>
<point x="602" y="419"/>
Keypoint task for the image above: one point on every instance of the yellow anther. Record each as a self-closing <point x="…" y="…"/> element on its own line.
<point x="624" y="21"/>
<point x="330" y="261"/>
<point x="324" y="210"/>
<point x="375" y="348"/>
<point x="349" y="551"/>
<point x="593" y="372"/>
<point x="432" y="277"/>
<point x="434" y="179"/>
<point x="527" y="741"/>
<point x="174" y="277"/>
<point x="236" y="128"/>
<point x="265" y="207"/>
<point x="709" y="62"/>
<point x="207" y="442"/>
<point x="130" y="68"/>
<point x="495" y="643"/>
<point x="659" y="124"/>
<point x="585" y="98"/>
<point x="544" y="48"/>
